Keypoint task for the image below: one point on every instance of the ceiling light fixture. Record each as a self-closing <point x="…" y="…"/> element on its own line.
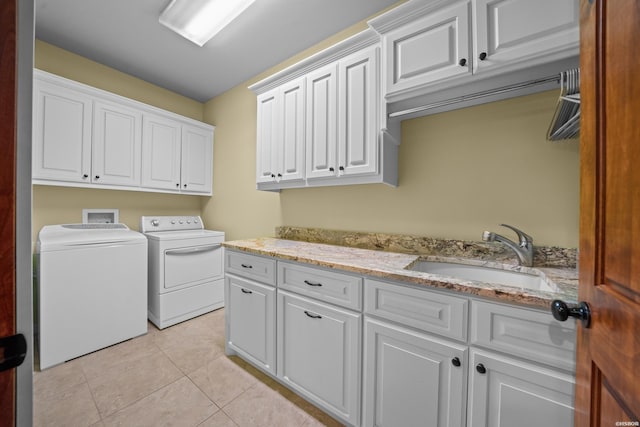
<point x="200" y="20"/>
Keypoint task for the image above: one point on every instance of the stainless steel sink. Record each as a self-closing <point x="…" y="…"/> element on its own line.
<point x="483" y="274"/>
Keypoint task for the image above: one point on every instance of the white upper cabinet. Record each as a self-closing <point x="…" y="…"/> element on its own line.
<point x="321" y="122"/>
<point x="342" y="117"/>
<point x="161" y="147"/>
<point x="512" y="31"/>
<point x="358" y="104"/>
<point x="322" y="116"/>
<point x="435" y="47"/>
<point x="86" y="137"/>
<point x="62" y="133"/>
<point x="469" y="46"/>
<point x="280" y="138"/>
<point x="117" y="144"/>
<point x="197" y="154"/>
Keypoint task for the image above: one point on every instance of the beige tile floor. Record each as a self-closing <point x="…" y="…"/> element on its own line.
<point x="178" y="376"/>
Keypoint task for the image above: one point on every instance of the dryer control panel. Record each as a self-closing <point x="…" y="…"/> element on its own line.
<point x="170" y="223"/>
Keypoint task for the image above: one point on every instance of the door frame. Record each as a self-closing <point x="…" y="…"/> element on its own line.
<point x="24" y="246"/>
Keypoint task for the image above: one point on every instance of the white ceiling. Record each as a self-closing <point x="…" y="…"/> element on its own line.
<point x="126" y="35"/>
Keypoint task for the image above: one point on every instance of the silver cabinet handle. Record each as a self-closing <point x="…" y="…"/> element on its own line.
<point x="191" y="251"/>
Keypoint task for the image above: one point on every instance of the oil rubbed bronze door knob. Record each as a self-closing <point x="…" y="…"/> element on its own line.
<point x="562" y="311"/>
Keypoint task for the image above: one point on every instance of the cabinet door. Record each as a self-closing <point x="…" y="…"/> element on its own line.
<point x="319" y="353"/>
<point x="62" y="133"/>
<point x="291" y="150"/>
<point x="161" y="153"/>
<point x="358" y="113"/>
<point x="251" y="321"/>
<point x="117" y="144"/>
<point x="515" y="393"/>
<point x="268" y="136"/>
<point x="197" y="160"/>
<point x="411" y="379"/>
<point x="321" y="120"/>
<point x="511" y="31"/>
<point x="428" y="50"/>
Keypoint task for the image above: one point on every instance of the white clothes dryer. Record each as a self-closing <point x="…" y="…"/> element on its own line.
<point x="91" y="289"/>
<point x="186" y="274"/>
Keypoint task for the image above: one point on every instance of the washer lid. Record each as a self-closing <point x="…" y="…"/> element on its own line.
<point x="68" y="236"/>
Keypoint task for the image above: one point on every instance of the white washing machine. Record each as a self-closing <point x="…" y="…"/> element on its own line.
<point x="92" y="289"/>
<point x="186" y="274"/>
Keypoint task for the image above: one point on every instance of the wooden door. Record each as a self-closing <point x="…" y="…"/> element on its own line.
<point x="8" y="117"/>
<point x="608" y="353"/>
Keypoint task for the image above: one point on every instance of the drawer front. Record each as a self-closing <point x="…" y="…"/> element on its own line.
<point x="251" y="266"/>
<point x="422" y="309"/>
<point x="336" y="288"/>
<point x="531" y="334"/>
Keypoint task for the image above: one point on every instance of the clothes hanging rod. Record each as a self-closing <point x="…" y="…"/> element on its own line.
<point x="476" y="95"/>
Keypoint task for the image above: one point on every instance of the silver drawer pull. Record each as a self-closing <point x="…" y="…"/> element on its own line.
<point x="246" y="265"/>
<point x="313" y="316"/>
<point x="246" y="291"/>
<point x="192" y="251"/>
<point x="312" y="283"/>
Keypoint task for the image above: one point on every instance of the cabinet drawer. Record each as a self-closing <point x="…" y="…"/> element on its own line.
<point x="422" y="309"/>
<point x="531" y="334"/>
<point x="336" y="288"/>
<point x="251" y="266"/>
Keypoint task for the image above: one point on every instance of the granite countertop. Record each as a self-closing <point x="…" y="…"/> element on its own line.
<point x="393" y="266"/>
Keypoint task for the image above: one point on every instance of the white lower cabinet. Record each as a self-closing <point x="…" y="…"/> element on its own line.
<point x="319" y="353"/>
<point x="250" y="312"/>
<point x="251" y="321"/>
<point x="388" y="354"/>
<point x="412" y="379"/>
<point x="505" y="392"/>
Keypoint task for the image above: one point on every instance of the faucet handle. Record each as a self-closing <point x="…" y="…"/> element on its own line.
<point x="525" y="239"/>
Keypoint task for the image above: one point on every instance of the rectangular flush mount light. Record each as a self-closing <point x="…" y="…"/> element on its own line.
<point x="200" y="20"/>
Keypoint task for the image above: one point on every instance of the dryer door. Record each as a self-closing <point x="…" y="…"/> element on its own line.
<point x="192" y="265"/>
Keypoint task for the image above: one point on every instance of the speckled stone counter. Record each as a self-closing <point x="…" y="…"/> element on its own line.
<point x="393" y="266"/>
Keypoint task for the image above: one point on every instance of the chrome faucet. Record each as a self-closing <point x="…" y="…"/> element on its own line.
<point x="524" y="249"/>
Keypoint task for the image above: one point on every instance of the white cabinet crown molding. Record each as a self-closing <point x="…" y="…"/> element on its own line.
<point x="331" y="54"/>
<point x="404" y="14"/>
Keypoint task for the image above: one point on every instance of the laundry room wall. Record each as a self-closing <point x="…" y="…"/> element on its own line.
<point x="460" y="173"/>
<point x="59" y="205"/>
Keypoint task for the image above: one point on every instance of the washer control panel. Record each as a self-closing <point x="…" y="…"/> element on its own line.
<point x="170" y="223"/>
